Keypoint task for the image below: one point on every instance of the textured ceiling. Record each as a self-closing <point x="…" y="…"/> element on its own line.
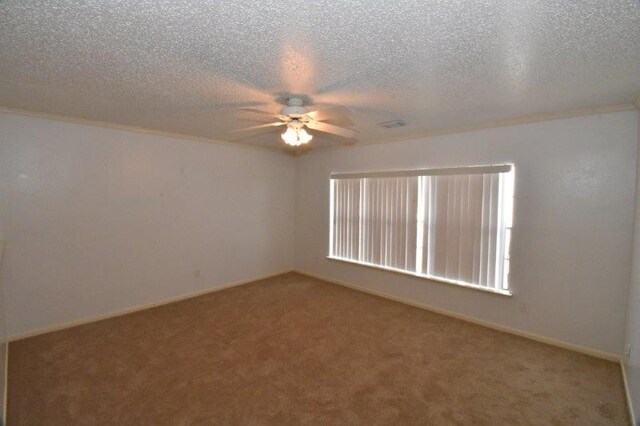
<point x="184" y="66"/>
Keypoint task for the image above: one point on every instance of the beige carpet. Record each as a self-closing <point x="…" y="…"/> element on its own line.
<point x="295" y="350"/>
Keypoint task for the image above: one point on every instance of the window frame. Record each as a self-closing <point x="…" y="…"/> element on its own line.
<point x="452" y="170"/>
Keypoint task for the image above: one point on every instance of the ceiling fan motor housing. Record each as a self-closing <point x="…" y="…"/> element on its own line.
<point x="294" y="111"/>
<point x="294" y="107"/>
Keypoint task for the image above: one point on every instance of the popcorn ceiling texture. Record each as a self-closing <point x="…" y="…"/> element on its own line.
<point x="185" y="65"/>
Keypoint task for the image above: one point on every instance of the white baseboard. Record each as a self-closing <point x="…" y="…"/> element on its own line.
<point x="141" y="307"/>
<point x="531" y="336"/>
<point x="577" y="348"/>
<point x="627" y="393"/>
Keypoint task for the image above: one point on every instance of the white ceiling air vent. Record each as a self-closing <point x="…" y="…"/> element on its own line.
<point x="393" y="123"/>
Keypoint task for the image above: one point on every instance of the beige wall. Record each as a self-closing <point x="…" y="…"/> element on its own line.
<point x="571" y="239"/>
<point x="632" y="340"/>
<point x="3" y="328"/>
<point x="103" y="220"/>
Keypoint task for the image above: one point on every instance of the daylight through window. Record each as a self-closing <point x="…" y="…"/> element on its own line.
<point x="451" y="225"/>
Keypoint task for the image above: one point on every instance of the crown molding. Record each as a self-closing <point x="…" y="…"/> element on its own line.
<point x="108" y="125"/>
<point x="606" y="109"/>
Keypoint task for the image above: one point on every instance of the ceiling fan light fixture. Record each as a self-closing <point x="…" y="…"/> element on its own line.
<point x="297" y="119"/>
<point x="296" y="137"/>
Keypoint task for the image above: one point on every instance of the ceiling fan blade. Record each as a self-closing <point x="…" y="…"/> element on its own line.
<point x="270" y="114"/>
<point x="330" y="128"/>
<point x="340" y="113"/>
<point x="260" y="126"/>
<point x="258" y="111"/>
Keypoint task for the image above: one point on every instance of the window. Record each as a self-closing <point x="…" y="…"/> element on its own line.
<point x="451" y="225"/>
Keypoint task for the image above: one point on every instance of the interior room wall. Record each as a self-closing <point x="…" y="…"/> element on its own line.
<point x="3" y="328"/>
<point x="574" y="203"/>
<point x="632" y="339"/>
<point x="102" y="220"/>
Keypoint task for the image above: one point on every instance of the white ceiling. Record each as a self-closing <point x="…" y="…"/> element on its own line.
<point x="184" y="65"/>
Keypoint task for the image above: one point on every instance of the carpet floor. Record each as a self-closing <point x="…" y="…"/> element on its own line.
<point x="296" y="350"/>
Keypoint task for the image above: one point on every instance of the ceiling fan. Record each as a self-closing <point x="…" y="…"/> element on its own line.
<point x="295" y="117"/>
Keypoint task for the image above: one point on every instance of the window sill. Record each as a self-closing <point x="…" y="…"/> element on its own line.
<point x="425" y="277"/>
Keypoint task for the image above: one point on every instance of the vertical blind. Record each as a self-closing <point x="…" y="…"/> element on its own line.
<point x="449" y="224"/>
